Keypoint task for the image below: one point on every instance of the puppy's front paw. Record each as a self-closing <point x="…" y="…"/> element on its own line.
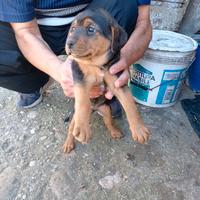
<point x="140" y="133"/>
<point x="82" y="132"/>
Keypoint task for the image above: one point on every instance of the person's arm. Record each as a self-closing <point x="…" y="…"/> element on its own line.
<point x="35" y="49"/>
<point x="39" y="54"/>
<point x="134" y="48"/>
<point x="140" y="38"/>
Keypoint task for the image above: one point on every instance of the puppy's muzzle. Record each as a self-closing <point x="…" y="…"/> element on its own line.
<point x="70" y="44"/>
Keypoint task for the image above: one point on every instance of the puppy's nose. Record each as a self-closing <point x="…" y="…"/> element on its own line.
<point x="70" y="44"/>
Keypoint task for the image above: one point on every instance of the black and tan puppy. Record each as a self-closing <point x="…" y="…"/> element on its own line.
<point x="94" y="42"/>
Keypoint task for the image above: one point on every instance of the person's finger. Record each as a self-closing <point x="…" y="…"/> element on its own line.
<point x="109" y="94"/>
<point x="118" y="67"/>
<point x="69" y="93"/>
<point x="123" y="79"/>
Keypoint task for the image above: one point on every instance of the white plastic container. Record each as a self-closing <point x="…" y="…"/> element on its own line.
<point x="157" y="78"/>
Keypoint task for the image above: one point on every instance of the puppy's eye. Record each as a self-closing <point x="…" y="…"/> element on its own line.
<point x="91" y="30"/>
<point x="73" y="28"/>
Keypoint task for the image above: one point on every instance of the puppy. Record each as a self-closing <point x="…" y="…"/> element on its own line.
<point x="93" y="43"/>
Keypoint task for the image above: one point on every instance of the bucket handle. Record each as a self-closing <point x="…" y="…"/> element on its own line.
<point x="150" y="89"/>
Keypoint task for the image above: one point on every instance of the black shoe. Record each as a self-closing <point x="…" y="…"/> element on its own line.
<point x="29" y="100"/>
<point x="116" y="108"/>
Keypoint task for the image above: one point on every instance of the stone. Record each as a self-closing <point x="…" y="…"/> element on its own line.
<point x="108" y="182"/>
<point x="32" y="131"/>
<point x="32" y="163"/>
<point x="43" y="138"/>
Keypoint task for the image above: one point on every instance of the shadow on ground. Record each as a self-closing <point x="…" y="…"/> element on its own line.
<point x="33" y="166"/>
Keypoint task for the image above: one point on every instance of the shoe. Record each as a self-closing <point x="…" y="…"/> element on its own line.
<point x="29" y="100"/>
<point x="116" y="108"/>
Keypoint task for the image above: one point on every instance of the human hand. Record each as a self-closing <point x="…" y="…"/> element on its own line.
<point x="66" y="78"/>
<point x="122" y="80"/>
<point x="66" y="81"/>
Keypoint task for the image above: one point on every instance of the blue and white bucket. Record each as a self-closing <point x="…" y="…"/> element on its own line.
<point x="157" y="78"/>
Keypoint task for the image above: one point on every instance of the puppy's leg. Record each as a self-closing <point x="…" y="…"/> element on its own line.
<point x="69" y="142"/>
<point x="107" y="118"/>
<point x="82" y="113"/>
<point x="82" y="108"/>
<point x="139" y="132"/>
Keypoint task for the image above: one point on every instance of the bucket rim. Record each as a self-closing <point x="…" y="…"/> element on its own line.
<point x="166" y="57"/>
<point x="179" y="35"/>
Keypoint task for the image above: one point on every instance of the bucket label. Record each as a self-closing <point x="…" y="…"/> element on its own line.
<point x="170" y="86"/>
<point x="140" y="82"/>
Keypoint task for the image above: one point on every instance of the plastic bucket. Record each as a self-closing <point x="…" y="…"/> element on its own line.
<point x="156" y="79"/>
<point x="194" y="70"/>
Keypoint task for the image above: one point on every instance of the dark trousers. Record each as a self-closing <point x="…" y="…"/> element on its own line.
<point x="17" y="74"/>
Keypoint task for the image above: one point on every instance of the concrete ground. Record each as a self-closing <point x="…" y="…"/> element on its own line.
<point x="33" y="166"/>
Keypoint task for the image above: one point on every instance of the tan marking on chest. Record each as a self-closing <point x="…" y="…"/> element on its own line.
<point x="92" y="74"/>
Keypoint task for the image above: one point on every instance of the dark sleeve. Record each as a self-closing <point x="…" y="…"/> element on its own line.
<point x="143" y="2"/>
<point x="16" y="10"/>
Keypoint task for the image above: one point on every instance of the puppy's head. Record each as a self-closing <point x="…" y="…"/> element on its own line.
<point x="95" y="36"/>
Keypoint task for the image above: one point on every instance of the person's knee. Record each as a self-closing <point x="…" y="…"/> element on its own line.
<point x="13" y="62"/>
<point x="17" y="74"/>
<point x="11" y="59"/>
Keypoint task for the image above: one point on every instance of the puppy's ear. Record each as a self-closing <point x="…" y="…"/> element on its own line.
<point x="118" y="37"/>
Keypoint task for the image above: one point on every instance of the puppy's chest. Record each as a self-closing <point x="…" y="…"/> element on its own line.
<point x="90" y="74"/>
<point x="93" y="77"/>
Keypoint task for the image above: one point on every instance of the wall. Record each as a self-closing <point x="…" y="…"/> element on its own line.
<point x="191" y="20"/>
<point x="168" y="14"/>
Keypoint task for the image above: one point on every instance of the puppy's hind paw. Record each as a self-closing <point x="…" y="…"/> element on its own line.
<point x="68" y="146"/>
<point x="116" y="134"/>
